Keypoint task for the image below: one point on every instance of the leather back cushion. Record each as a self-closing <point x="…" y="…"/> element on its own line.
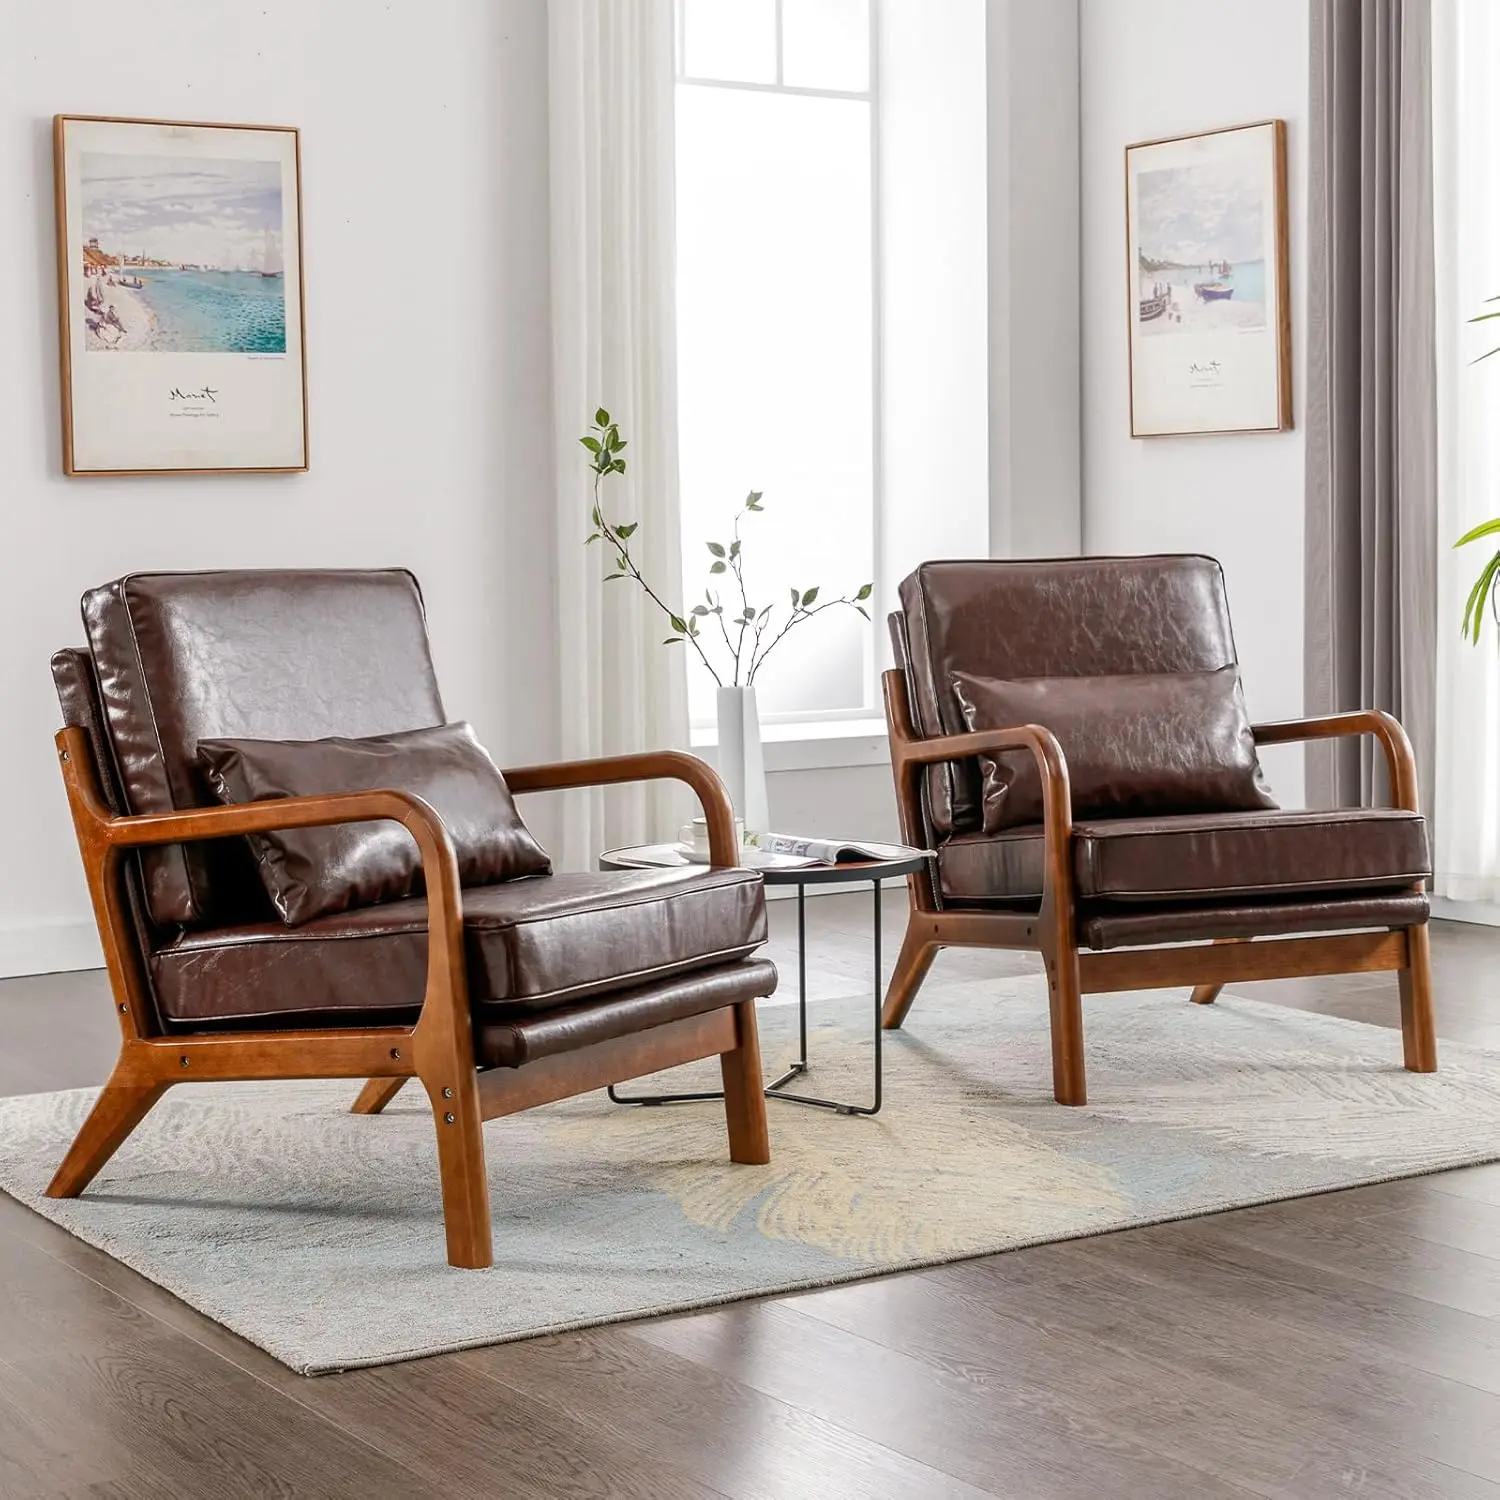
<point x="183" y="657"/>
<point x="310" y="872"/>
<point x="1063" y="617"/>
<point x="1136" y="745"/>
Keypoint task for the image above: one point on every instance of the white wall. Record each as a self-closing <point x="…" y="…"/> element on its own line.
<point x="934" y="247"/>
<point x="1032" y="62"/>
<point x="1153" y="68"/>
<point x="425" y="224"/>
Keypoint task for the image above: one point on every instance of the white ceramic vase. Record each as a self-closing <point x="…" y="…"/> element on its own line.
<point x="741" y="763"/>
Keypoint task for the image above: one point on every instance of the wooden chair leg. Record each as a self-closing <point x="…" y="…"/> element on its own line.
<point x="912" y="964"/>
<point x="119" y="1108"/>
<point x="466" y="1188"/>
<point x="376" y="1094"/>
<point x="1206" y="994"/>
<point x="744" y="1097"/>
<point x="1418" y="1036"/>
<point x="1069" y="1085"/>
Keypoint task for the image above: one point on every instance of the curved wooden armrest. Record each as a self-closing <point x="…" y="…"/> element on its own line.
<point x="910" y="752"/>
<point x="649" y="765"/>
<point x="103" y="839"/>
<point x="1400" y="763"/>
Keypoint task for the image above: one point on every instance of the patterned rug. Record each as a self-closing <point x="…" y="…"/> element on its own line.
<point x="317" y="1234"/>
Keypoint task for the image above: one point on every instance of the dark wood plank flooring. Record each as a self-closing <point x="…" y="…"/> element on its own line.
<point x="1342" y="1345"/>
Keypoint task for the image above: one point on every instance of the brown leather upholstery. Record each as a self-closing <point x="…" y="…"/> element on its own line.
<point x="309" y="872"/>
<point x="534" y="944"/>
<point x="182" y="657"/>
<point x="1069" y="617"/>
<point x="508" y="1037"/>
<point x="1198" y="857"/>
<point x="1136" y="745"/>
<point x="78" y="697"/>
<point x="1133" y="927"/>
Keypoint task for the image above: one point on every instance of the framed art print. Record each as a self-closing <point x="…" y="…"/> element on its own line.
<point x="1210" y="321"/>
<point x="180" y="297"/>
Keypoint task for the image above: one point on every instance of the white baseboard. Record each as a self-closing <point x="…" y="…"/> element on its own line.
<point x="49" y="950"/>
<point x="1482" y="913"/>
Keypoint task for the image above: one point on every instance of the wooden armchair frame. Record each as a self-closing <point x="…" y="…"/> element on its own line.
<point x="1052" y="930"/>
<point x="439" y="1048"/>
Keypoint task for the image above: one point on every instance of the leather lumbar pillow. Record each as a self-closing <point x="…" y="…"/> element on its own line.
<point x="1135" y="745"/>
<point x="309" y="872"/>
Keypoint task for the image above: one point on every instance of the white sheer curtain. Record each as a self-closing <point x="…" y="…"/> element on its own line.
<point x="611" y="81"/>
<point x="1466" y="144"/>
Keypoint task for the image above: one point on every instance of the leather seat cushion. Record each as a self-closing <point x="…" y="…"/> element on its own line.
<point x="533" y="944"/>
<point x="508" y="1036"/>
<point x="1122" y="926"/>
<point x="1198" y="857"/>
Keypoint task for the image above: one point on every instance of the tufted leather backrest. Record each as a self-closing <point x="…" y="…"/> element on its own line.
<point x="1054" y="617"/>
<point x="181" y="657"/>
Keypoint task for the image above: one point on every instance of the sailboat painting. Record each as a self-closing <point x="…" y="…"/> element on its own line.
<point x="180" y="274"/>
<point x="1210" y="338"/>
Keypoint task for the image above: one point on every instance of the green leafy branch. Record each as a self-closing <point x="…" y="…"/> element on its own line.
<point x="605" y="446"/>
<point x="1486" y="590"/>
<point x="750" y="634"/>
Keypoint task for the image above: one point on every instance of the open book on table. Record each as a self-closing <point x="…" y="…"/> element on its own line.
<point x="788" y="852"/>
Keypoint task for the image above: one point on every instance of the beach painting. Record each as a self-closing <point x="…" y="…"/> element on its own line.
<point x="1206" y="250"/>
<point x="182" y="255"/>
<point x="181" y="296"/>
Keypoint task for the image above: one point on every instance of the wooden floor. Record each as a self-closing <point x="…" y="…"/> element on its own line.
<point x="1343" y="1345"/>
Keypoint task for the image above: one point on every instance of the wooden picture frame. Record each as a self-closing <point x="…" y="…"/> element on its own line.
<point x="1208" y="305"/>
<point x="181" y="301"/>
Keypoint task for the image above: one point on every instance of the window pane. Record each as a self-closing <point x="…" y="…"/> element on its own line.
<point x="775" y="373"/>
<point x="730" y="39"/>
<point x="826" y="44"/>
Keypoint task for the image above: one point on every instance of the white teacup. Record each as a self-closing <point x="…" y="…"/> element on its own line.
<point x="694" y="837"/>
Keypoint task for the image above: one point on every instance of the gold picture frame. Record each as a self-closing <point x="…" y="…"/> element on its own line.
<point x="181" y="296"/>
<point x="1208" y="309"/>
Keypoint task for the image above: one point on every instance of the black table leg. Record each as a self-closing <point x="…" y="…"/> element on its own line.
<point x="776" y="1089"/>
<point x="800" y="1066"/>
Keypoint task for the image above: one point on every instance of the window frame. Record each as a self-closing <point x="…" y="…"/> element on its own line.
<point x="871" y="709"/>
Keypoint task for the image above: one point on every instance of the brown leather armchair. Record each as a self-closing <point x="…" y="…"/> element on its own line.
<point x="497" y="997"/>
<point x="1098" y="896"/>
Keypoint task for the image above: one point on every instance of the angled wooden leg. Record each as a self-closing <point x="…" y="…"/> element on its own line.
<point x="912" y="964"/>
<point x="1068" y="1078"/>
<point x="1206" y="994"/>
<point x="120" y="1107"/>
<point x="744" y="1099"/>
<point x="1418" y="1037"/>
<point x="466" y="1188"/>
<point x="375" y="1095"/>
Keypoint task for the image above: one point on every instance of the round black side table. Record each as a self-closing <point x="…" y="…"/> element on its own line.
<point x="874" y="872"/>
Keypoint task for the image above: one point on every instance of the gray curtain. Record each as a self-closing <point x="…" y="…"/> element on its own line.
<point x="1372" y="401"/>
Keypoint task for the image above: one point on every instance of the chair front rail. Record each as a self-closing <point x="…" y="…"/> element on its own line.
<point x="653" y="765"/>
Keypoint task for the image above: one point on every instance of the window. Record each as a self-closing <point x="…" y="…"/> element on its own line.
<point x="777" y="289"/>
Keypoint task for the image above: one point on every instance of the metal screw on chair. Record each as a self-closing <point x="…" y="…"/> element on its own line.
<point x="448" y="1119"/>
<point x="447" y="1093"/>
<point x="183" y="1061"/>
<point x="124" y="1009"/>
<point x="395" y="1052"/>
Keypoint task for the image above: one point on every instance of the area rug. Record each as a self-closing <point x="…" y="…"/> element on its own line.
<point x="317" y="1234"/>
